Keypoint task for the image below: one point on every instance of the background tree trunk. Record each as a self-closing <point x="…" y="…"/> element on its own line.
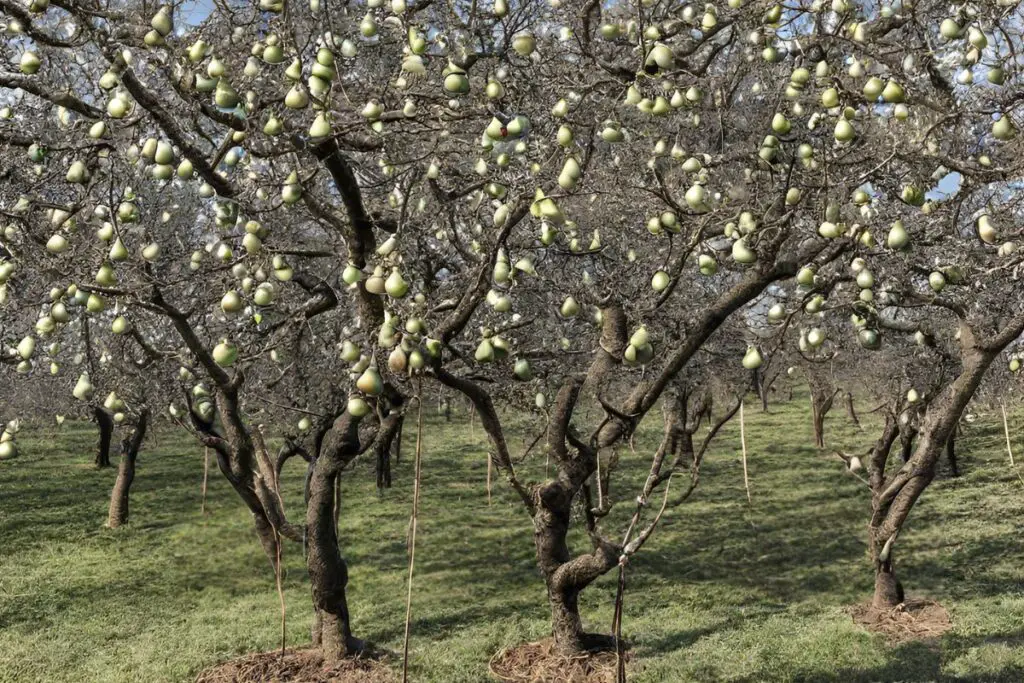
<point x="851" y="411"/>
<point x="106" y="436"/>
<point x="951" y="455"/>
<point x="118" y="512"/>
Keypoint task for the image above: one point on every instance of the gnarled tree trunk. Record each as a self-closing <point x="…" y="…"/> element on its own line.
<point x="894" y="497"/>
<point x="328" y="572"/>
<point x="106" y="436"/>
<point x="118" y="512"/>
<point x="566" y="577"/>
<point x="888" y="591"/>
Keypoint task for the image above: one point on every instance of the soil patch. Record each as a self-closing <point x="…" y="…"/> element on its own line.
<point x="538" y="663"/>
<point x="912" y="620"/>
<point x="297" y="666"/>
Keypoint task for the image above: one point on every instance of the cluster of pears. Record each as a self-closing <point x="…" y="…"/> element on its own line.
<point x="639" y="350"/>
<point x="8" y="447"/>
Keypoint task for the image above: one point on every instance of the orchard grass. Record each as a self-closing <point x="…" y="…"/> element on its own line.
<point x="725" y="591"/>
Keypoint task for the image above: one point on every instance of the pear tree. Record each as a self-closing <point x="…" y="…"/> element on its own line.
<point x="568" y="200"/>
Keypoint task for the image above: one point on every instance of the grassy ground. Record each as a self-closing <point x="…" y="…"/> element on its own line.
<point x="723" y="592"/>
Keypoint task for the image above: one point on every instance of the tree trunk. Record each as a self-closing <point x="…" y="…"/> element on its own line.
<point x="896" y="496"/>
<point x="550" y="528"/>
<point x="566" y="625"/>
<point x="821" y="403"/>
<point x="566" y="577"/>
<point x="951" y="454"/>
<point x="398" y="442"/>
<point x="818" y="417"/>
<point x="328" y="572"/>
<point x="106" y="425"/>
<point x="851" y="412"/>
<point x="118" y="512"/>
<point x="888" y="591"/>
<point x="907" y="434"/>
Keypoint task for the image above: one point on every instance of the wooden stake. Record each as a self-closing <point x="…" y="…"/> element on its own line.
<point x="743" y="447"/>
<point x="412" y="532"/>
<point x="280" y="593"/>
<point x="490" y="467"/>
<point x="1006" y="431"/>
<point x="206" y="473"/>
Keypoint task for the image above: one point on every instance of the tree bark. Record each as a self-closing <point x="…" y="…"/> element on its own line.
<point x="821" y="403"/>
<point x="328" y="572"/>
<point x="851" y="411"/>
<point x="566" y="625"/>
<point x="888" y="591"/>
<point x="566" y="577"/>
<point x="118" y="512"/>
<point x="550" y="529"/>
<point x="106" y="425"/>
<point x="951" y="454"/>
<point x="907" y="434"/>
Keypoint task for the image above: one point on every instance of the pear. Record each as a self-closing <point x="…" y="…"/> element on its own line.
<point x="225" y="96"/>
<point x="752" y="358"/>
<point x="986" y="231"/>
<point x="484" y="351"/>
<point x="29" y="63"/>
<point x="370" y="382"/>
<point x="707" y="264"/>
<point x="357" y="407"/>
<point x="321" y="128"/>
<point x="660" y="281"/>
<point x="161" y="21"/>
<point x="83" y="388"/>
<point x="893" y="93"/>
<point x="78" y="173"/>
<point x="231" y="302"/>
<point x="396" y="286"/>
<point x="1003" y="129"/>
<point x="118" y="252"/>
<point x="26" y="347"/>
<point x="569" y="308"/>
<point x="225" y="353"/>
<point x="522" y="370"/>
<point x="741" y="253"/>
<point x="56" y="244"/>
<point x="844" y="131"/>
<point x="898" y="237"/>
<point x="524" y="44"/>
<point x="297" y="98"/>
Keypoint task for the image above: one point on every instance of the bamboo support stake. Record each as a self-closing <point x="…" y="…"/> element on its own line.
<point x="280" y="593"/>
<point x="412" y="533"/>
<point x="206" y="473"/>
<point x="743" y="447"/>
<point x="1006" y="431"/>
<point x="490" y="468"/>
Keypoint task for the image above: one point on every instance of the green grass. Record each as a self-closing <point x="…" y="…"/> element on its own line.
<point x="723" y="592"/>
